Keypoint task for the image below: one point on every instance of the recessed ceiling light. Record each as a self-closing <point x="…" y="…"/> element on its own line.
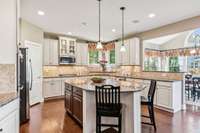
<point x="41" y="13"/>
<point x="84" y="23"/>
<point x="151" y="15"/>
<point x="69" y="33"/>
<point x="113" y="30"/>
<point x="135" y="21"/>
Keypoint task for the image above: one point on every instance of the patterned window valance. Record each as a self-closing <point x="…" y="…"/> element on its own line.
<point x="106" y="46"/>
<point x="172" y="53"/>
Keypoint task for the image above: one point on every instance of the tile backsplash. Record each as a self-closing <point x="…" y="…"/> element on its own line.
<point x="7" y="78"/>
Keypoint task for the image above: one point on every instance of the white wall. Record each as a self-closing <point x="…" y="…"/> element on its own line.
<point x="8" y="30"/>
<point x="30" y="32"/>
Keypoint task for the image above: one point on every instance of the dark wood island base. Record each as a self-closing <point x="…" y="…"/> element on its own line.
<point x="74" y="103"/>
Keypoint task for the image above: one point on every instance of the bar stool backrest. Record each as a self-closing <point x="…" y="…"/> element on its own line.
<point x="152" y="90"/>
<point x="107" y="95"/>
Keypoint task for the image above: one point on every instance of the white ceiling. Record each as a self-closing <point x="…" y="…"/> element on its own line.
<point x="161" y="40"/>
<point x="63" y="16"/>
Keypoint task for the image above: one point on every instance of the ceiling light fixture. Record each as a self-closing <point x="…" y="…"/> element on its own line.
<point x="152" y="15"/>
<point x="113" y="30"/>
<point x="41" y="13"/>
<point x="123" y="48"/>
<point x="69" y="33"/>
<point x="99" y="45"/>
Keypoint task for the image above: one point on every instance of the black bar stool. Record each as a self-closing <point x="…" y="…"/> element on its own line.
<point x="108" y="105"/>
<point x="149" y="102"/>
<point x="196" y="88"/>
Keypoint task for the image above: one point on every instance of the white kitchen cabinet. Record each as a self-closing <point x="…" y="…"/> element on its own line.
<point x="9" y="117"/>
<point x="134" y="51"/>
<point x="168" y="95"/>
<point x="164" y="96"/>
<point x="82" y="54"/>
<point x="67" y="46"/>
<point x="52" y="88"/>
<point x="50" y="52"/>
<point x="132" y="54"/>
<point x="125" y="56"/>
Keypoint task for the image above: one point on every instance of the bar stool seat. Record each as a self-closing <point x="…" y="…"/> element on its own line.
<point x="109" y="110"/>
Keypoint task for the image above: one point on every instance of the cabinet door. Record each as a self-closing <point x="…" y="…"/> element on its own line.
<point x="56" y="88"/>
<point x="68" y="98"/>
<point x="134" y="51"/>
<point x="46" y="89"/>
<point x="72" y="47"/>
<point x="125" y="55"/>
<point x="77" y="108"/>
<point x="164" y="97"/>
<point x="46" y="50"/>
<point x="78" y="54"/>
<point x="52" y="88"/>
<point x="53" y="54"/>
<point x="118" y="60"/>
<point x="84" y="54"/>
<point x="10" y="123"/>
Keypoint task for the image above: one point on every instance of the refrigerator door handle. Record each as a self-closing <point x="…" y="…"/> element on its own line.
<point x="31" y="75"/>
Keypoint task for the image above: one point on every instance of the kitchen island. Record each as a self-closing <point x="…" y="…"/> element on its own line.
<point x="80" y="103"/>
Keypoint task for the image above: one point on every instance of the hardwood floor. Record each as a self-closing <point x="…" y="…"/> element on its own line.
<point x="49" y="117"/>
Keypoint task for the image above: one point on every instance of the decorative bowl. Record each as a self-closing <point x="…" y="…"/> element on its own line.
<point x="97" y="80"/>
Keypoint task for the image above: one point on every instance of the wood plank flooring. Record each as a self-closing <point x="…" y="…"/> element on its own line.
<point x="49" y="117"/>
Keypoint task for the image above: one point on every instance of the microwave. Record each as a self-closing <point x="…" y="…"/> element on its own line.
<point x="66" y="60"/>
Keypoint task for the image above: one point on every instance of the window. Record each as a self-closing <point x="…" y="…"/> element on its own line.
<point x="151" y="64"/>
<point x="93" y="57"/>
<point x="112" y="57"/>
<point x="194" y="64"/>
<point x="174" y="64"/>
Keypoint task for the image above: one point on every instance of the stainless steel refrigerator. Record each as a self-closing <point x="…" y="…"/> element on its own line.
<point x="25" y="82"/>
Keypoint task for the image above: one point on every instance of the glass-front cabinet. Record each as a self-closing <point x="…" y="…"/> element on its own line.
<point x="67" y="46"/>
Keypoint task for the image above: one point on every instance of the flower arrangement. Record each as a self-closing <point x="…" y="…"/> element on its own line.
<point x="103" y="61"/>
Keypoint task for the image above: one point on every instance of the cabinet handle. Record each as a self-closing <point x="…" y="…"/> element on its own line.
<point x="1" y="129"/>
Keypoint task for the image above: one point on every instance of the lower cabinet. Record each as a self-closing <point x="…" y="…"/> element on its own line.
<point x="9" y="117"/>
<point x="52" y="88"/>
<point x="73" y="103"/>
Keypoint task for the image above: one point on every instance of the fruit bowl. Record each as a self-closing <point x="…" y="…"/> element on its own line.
<point x="97" y="80"/>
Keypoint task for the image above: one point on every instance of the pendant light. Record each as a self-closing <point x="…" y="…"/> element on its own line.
<point x="99" y="45"/>
<point x="123" y="48"/>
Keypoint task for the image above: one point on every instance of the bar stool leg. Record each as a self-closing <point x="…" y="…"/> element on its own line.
<point x="120" y="123"/>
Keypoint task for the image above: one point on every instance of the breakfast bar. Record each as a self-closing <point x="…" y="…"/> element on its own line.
<point x="80" y="103"/>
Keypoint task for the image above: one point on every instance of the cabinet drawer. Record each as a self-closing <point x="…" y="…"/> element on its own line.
<point x="68" y="87"/>
<point x="77" y="92"/>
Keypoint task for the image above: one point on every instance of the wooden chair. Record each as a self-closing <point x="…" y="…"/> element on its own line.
<point x="149" y="102"/>
<point x="108" y="105"/>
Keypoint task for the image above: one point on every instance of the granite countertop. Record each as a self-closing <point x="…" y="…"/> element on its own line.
<point x="5" y="98"/>
<point x="118" y="76"/>
<point x="86" y="84"/>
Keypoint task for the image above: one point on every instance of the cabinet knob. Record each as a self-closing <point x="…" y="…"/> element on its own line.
<point x="1" y="129"/>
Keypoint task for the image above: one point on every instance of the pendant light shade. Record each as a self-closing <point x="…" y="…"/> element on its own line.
<point x="123" y="48"/>
<point x="99" y="44"/>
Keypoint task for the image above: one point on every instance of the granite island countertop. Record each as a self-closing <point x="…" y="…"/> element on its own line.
<point x="117" y="76"/>
<point x="86" y="84"/>
<point x="5" y="98"/>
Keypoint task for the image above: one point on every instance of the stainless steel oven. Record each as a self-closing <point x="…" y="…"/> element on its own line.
<point x="65" y="60"/>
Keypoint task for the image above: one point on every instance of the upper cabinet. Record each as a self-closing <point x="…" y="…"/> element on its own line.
<point x="67" y="46"/>
<point x="82" y="54"/>
<point x="50" y="52"/>
<point x="132" y="54"/>
<point x="134" y="51"/>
